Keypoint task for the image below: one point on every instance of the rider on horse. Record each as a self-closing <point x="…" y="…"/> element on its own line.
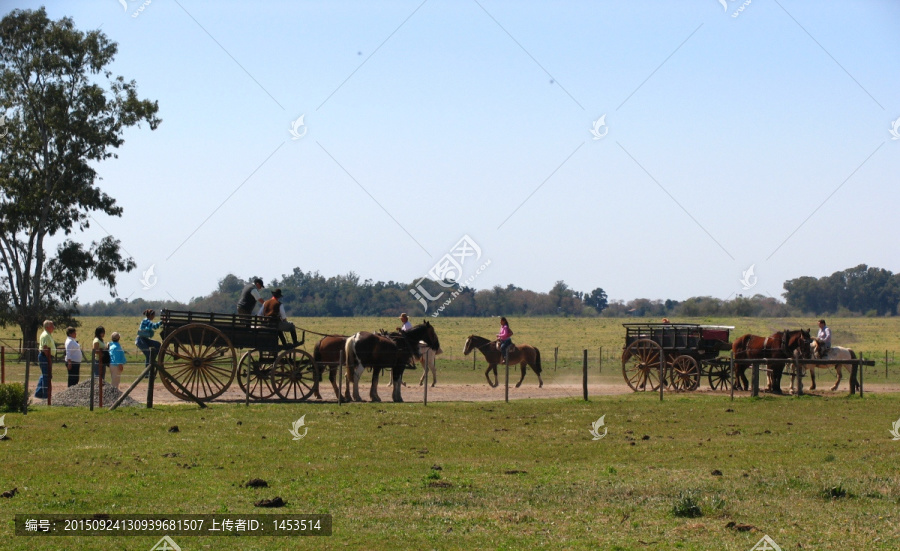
<point x="823" y="340"/>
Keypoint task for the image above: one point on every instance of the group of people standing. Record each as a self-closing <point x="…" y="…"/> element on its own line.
<point x="104" y="355"/>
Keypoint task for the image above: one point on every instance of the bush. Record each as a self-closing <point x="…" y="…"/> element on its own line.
<point x="12" y="396"/>
<point x="835" y="492"/>
<point x="687" y="505"/>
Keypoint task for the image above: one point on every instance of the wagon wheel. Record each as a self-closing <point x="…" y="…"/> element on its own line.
<point x="201" y="358"/>
<point x="685" y="373"/>
<point x="261" y="387"/>
<point x="719" y="376"/>
<point x="293" y="374"/>
<point x="640" y="365"/>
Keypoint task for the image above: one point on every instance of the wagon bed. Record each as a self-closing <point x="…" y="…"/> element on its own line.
<point x="688" y="350"/>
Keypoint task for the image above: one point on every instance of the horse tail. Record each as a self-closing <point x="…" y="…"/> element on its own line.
<point x="854" y="380"/>
<point x="537" y="361"/>
<point x="317" y="352"/>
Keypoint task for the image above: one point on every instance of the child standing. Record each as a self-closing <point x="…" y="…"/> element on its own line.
<point x="144" y="341"/>
<point x="116" y="360"/>
<point x="101" y="353"/>
<point x="73" y="356"/>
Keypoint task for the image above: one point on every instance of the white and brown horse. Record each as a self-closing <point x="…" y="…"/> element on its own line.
<point x="835" y="353"/>
<point x="524" y="355"/>
<point x="396" y="352"/>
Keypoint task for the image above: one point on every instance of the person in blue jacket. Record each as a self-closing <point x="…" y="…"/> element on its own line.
<point x="144" y="341"/>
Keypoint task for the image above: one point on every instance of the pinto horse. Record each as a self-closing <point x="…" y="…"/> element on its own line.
<point x="523" y="355"/>
<point x="781" y="345"/>
<point x="835" y="353"/>
<point x="328" y="352"/>
<point x="396" y="351"/>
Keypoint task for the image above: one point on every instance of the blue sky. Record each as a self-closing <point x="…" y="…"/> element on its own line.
<point x="429" y="121"/>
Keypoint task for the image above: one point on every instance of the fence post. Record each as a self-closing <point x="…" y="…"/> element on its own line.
<point x="754" y="383"/>
<point x="427" y="354"/>
<point x="3" y="364"/>
<point x="862" y="368"/>
<point x="341" y="378"/>
<point x="555" y="357"/>
<point x="584" y="374"/>
<point x="27" y="372"/>
<point x="151" y="377"/>
<point x="731" y="376"/>
<point x="885" y="364"/>
<point x="506" y="361"/>
<point x="93" y="359"/>
<point x="662" y="362"/>
<point x="798" y="376"/>
<point x="600" y="367"/>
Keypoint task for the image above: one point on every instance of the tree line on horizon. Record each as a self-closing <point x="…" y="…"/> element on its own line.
<point x="855" y="291"/>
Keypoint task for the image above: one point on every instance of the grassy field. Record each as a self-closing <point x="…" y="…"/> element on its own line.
<point x="812" y="473"/>
<point x="602" y="338"/>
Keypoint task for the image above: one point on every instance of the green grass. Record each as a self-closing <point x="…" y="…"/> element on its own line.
<point x="815" y="472"/>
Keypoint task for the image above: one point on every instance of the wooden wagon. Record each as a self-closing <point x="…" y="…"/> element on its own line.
<point x="689" y="352"/>
<point x="200" y="350"/>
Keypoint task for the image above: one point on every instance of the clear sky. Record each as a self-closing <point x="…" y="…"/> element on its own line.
<point x="732" y="139"/>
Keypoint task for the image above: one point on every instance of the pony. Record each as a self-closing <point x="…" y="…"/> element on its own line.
<point x="781" y="345"/>
<point x="328" y="352"/>
<point x="523" y="355"/>
<point x="395" y="351"/>
<point x="836" y="353"/>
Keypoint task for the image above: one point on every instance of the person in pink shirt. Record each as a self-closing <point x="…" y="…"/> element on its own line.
<point x="505" y="336"/>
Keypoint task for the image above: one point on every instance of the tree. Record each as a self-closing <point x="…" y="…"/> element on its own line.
<point x="597" y="299"/>
<point x="63" y="121"/>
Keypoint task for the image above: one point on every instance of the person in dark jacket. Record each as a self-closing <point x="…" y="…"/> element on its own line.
<point x="250" y="297"/>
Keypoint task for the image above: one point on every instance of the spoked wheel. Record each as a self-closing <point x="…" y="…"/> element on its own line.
<point x="293" y="374"/>
<point x="684" y="373"/>
<point x="719" y="376"/>
<point x="201" y="358"/>
<point x="640" y="365"/>
<point x="261" y="387"/>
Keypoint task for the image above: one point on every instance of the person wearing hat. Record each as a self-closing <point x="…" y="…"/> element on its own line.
<point x="404" y="319"/>
<point x="273" y="308"/>
<point x="250" y="297"/>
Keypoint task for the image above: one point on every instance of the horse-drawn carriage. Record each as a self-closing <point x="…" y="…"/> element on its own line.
<point x="200" y="350"/>
<point x="689" y="352"/>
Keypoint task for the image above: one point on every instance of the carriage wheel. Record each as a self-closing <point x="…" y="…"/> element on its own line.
<point x="201" y="358"/>
<point x="261" y="387"/>
<point x="719" y="376"/>
<point x="293" y="374"/>
<point x="640" y="365"/>
<point x="685" y="373"/>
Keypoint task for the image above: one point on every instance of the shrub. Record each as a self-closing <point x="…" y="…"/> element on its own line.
<point x="687" y="505"/>
<point x="12" y="396"/>
<point x="835" y="492"/>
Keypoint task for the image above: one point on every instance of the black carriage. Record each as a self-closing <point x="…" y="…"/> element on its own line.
<point x="200" y="350"/>
<point x="689" y="351"/>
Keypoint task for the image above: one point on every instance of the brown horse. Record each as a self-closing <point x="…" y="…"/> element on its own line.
<point x="395" y="352"/>
<point x="781" y="345"/>
<point x="523" y="355"/>
<point x="327" y="352"/>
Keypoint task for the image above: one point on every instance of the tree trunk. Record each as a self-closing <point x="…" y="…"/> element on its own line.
<point x="30" y="328"/>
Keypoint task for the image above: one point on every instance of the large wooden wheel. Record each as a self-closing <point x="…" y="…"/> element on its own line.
<point x="261" y="386"/>
<point x="201" y="358"/>
<point x="293" y="374"/>
<point x="640" y="365"/>
<point x="684" y="373"/>
<point x="719" y="376"/>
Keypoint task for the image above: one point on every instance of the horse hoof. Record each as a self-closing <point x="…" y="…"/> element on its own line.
<point x="375" y="398"/>
<point x="432" y="385"/>
<point x="398" y="400"/>
<point x="518" y="385"/>
<point x="541" y="385"/>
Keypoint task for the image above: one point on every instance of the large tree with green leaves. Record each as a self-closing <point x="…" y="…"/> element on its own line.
<point x="64" y="112"/>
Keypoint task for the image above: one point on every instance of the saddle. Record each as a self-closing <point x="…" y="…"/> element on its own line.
<point x="510" y="350"/>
